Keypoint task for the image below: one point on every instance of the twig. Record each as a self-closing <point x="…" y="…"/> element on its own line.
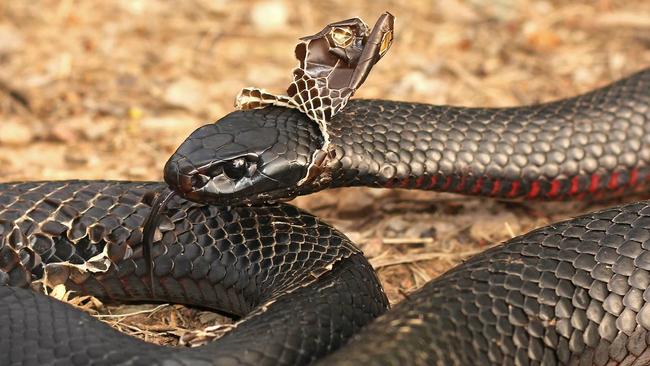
<point x="623" y="19"/>
<point x="409" y="258"/>
<point x="406" y="240"/>
<point x="150" y="311"/>
<point x="15" y="95"/>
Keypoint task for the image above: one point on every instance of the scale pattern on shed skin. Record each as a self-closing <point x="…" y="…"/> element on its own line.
<point x="575" y="293"/>
<point x="262" y="263"/>
<point x="596" y="144"/>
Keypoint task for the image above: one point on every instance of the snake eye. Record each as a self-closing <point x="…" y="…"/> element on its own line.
<point x="386" y="42"/>
<point x="239" y="168"/>
<point x="342" y="36"/>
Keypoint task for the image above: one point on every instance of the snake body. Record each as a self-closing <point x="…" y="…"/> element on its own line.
<point x="573" y="293"/>
<point x="570" y="293"/>
<point x="594" y="144"/>
<point x="588" y="146"/>
<point x="300" y="285"/>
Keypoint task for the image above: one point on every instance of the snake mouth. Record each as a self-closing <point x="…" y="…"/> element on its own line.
<point x="205" y="196"/>
<point x="214" y="176"/>
<point x="216" y="183"/>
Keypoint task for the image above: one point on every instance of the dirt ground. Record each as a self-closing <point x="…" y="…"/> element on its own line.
<point x="108" y="89"/>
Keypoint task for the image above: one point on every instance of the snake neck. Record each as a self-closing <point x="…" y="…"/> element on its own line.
<point x="591" y="145"/>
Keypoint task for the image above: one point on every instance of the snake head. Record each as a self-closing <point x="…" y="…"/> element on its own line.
<point x="245" y="157"/>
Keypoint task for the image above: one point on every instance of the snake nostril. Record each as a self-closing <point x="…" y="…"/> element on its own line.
<point x="198" y="180"/>
<point x="188" y="183"/>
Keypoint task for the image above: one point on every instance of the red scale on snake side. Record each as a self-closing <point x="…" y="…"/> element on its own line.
<point x="447" y="184"/>
<point x="477" y="186"/>
<point x="496" y="187"/>
<point x="555" y="188"/>
<point x="461" y="186"/>
<point x="613" y="181"/>
<point x="575" y="186"/>
<point x="634" y="176"/>
<point x="593" y="186"/>
<point x="433" y="182"/>
<point x="419" y="182"/>
<point x="515" y="188"/>
<point x="534" y="189"/>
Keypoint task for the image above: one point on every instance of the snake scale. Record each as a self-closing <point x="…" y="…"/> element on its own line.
<point x="572" y="293"/>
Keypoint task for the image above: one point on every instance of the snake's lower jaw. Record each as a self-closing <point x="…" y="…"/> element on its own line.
<point x="175" y="178"/>
<point x="214" y="194"/>
<point x="195" y="185"/>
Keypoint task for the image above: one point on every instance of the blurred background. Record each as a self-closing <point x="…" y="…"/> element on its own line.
<point x="108" y="89"/>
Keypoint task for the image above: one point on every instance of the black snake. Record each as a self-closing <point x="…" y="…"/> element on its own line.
<point x="569" y="293"/>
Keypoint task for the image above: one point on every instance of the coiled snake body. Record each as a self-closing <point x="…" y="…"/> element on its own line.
<point x="303" y="286"/>
<point x="570" y="293"/>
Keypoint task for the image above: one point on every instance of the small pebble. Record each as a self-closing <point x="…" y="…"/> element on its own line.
<point x="494" y="228"/>
<point x="15" y="133"/>
<point x="186" y="93"/>
<point x="173" y="125"/>
<point x="11" y="39"/>
<point x="270" y="16"/>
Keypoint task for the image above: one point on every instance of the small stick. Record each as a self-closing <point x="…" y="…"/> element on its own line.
<point x="403" y="259"/>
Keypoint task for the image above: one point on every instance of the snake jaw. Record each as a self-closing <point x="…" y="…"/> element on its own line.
<point x="248" y="157"/>
<point x="208" y="184"/>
